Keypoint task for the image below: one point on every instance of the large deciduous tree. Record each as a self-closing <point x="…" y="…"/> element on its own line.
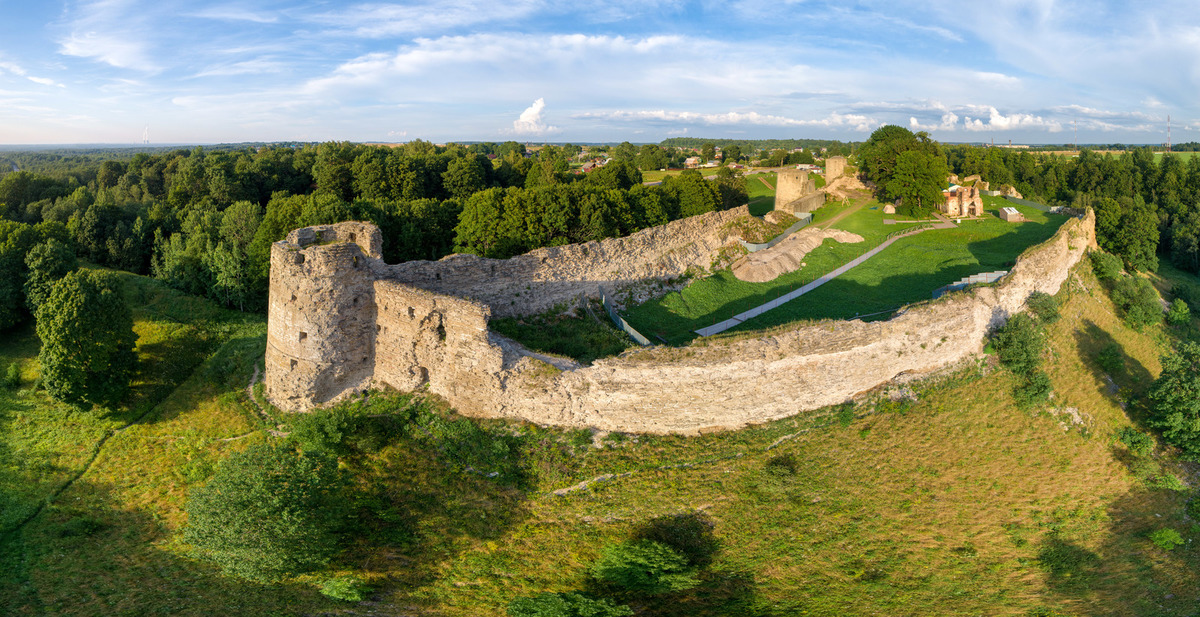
<point x="87" y="336"/>
<point x="917" y="182"/>
<point x="1175" y="399"/>
<point x="47" y="262"/>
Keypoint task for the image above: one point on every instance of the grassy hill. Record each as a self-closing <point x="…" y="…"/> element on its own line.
<point x="947" y="500"/>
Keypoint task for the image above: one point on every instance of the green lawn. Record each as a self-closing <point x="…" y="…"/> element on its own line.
<point x="907" y="271"/>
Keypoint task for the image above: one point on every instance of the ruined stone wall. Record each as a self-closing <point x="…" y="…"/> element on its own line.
<point x="835" y="166"/>
<point x="546" y="277"/>
<point x="795" y="192"/>
<point x="442" y="341"/>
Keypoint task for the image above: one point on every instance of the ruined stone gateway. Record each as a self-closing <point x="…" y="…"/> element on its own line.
<point x="341" y="321"/>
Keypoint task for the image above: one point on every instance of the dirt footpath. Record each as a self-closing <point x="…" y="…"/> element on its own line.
<point x="788" y="255"/>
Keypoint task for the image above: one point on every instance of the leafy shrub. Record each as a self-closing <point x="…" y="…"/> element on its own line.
<point x="567" y="604"/>
<point x="1167" y="482"/>
<point x="1033" y="390"/>
<point x="323" y="430"/>
<point x="689" y="534"/>
<point x="645" y="567"/>
<point x="1019" y="344"/>
<point x="269" y="512"/>
<point x="1111" y="359"/>
<point x="1193" y="508"/>
<point x="781" y="465"/>
<point x="1179" y="314"/>
<point x="12" y="377"/>
<point x="349" y="588"/>
<point x="1166" y="538"/>
<point x="1138" y="301"/>
<point x="1139" y="443"/>
<point x="1044" y="305"/>
<point x="1107" y="267"/>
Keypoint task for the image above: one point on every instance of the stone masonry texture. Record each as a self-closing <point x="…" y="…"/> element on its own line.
<point x="341" y="321"/>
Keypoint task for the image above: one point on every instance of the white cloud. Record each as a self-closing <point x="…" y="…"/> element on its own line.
<point x="111" y="31"/>
<point x="235" y="13"/>
<point x="949" y="123"/>
<point x="15" y="69"/>
<point x="531" y="121"/>
<point x="385" y="20"/>
<point x="999" y="122"/>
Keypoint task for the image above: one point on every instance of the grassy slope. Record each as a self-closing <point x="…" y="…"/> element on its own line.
<point x="907" y="271"/>
<point x="956" y="504"/>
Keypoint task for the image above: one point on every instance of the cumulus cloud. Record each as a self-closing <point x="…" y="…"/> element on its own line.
<point x="949" y="123"/>
<point x="531" y="121"/>
<point x="997" y="121"/>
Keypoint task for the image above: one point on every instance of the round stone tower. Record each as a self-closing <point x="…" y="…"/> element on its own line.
<point x="321" y="314"/>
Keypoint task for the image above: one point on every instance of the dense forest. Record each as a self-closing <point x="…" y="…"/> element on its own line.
<point x="203" y="219"/>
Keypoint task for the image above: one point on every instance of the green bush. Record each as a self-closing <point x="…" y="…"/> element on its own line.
<point x="1193" y="508"/>
<point x="269" y="512"/>
<point x="646" y="567"/>
<point x="1107" y="267"/>
<point x="1179" y="314"/>
<point x="1111" y="359"/>
<point x="1139" y="443"/>
<point x="1166" y="538"/>
<point x="1019" y="344"/>
<point x="12" y="377"/>
<point x="1034" y="390"/>
<point x="689" y="534"/>
<point x="323" y="430"/>
<point x="349" y="588"/>
<point x="1044" y="306"/>
<point x="567" y="604"/>
<point x="1175" y="399"/>
<point x="1138" y="301"/>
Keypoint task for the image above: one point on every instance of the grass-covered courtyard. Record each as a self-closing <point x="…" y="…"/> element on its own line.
<point x="907" y="271"/>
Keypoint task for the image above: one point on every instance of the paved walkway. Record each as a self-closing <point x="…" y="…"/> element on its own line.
<point x="792" y="295"/>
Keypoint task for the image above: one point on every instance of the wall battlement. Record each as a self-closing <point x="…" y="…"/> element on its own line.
<point x="340" y="321"/>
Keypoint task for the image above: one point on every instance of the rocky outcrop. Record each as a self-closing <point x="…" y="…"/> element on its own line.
<point x="788" y="255"/>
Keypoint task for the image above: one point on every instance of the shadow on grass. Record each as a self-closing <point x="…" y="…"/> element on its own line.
<point x="944" y="262"/>
<point x="1092" y="340"/>
<point x="86" y="557"/>
<point x="1127" y="574"/>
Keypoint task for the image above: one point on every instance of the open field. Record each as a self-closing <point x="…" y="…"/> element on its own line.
<point x="957" y="503"/>
<point x="908" y="271"/>
<point x="762" y="197"/>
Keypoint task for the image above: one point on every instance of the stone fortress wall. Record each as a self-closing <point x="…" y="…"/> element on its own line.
<point x="835" y="166"/>
<point x="340" y="321"/>
<point x="796" y="193"/>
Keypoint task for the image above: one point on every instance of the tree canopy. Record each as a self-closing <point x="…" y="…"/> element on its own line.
<point x="1175" y="399"/>
<point x="86" y="329"/>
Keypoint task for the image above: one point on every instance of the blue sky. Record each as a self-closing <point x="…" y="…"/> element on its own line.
<point x="106" y="71"/>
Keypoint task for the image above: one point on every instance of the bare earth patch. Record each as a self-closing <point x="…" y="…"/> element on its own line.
<point x="788" y="255"/>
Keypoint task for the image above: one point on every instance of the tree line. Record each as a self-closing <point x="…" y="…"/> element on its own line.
<point x="203" y="220"/>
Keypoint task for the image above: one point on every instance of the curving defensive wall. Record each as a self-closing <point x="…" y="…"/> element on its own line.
<point x="341" y="321"/>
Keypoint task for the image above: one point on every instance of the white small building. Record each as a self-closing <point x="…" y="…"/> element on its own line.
<point x="1011" y="214"/>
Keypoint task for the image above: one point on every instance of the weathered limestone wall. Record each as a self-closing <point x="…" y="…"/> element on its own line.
<point x="539" y="280"/>
<point x="795" y="192"/>
<point x="835" y="166"/>
<point x="430" y="338"/>
<point x="321" y="305"/>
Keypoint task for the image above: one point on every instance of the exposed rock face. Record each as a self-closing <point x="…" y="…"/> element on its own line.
<point x="340" y="320"/>
<point x="768" y="264"/>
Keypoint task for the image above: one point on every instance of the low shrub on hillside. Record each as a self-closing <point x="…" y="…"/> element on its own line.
<point x="269" y="512"/>
<point x="12" y="377"/>
<point x="349" y="588"/>
<point x="1044" y="306"/>
<point x="1107" y="267"/>
<point x="1139" y="443"/>
<point x="1179" y="314"/>
<point x="1166" y="538"/>
<point x="568" y="604"/>
<point x="1019" y="344"/>
<point x="1138" y="301"/>
<point x="646" y="567"/>
<point x="1111" y="359"/>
